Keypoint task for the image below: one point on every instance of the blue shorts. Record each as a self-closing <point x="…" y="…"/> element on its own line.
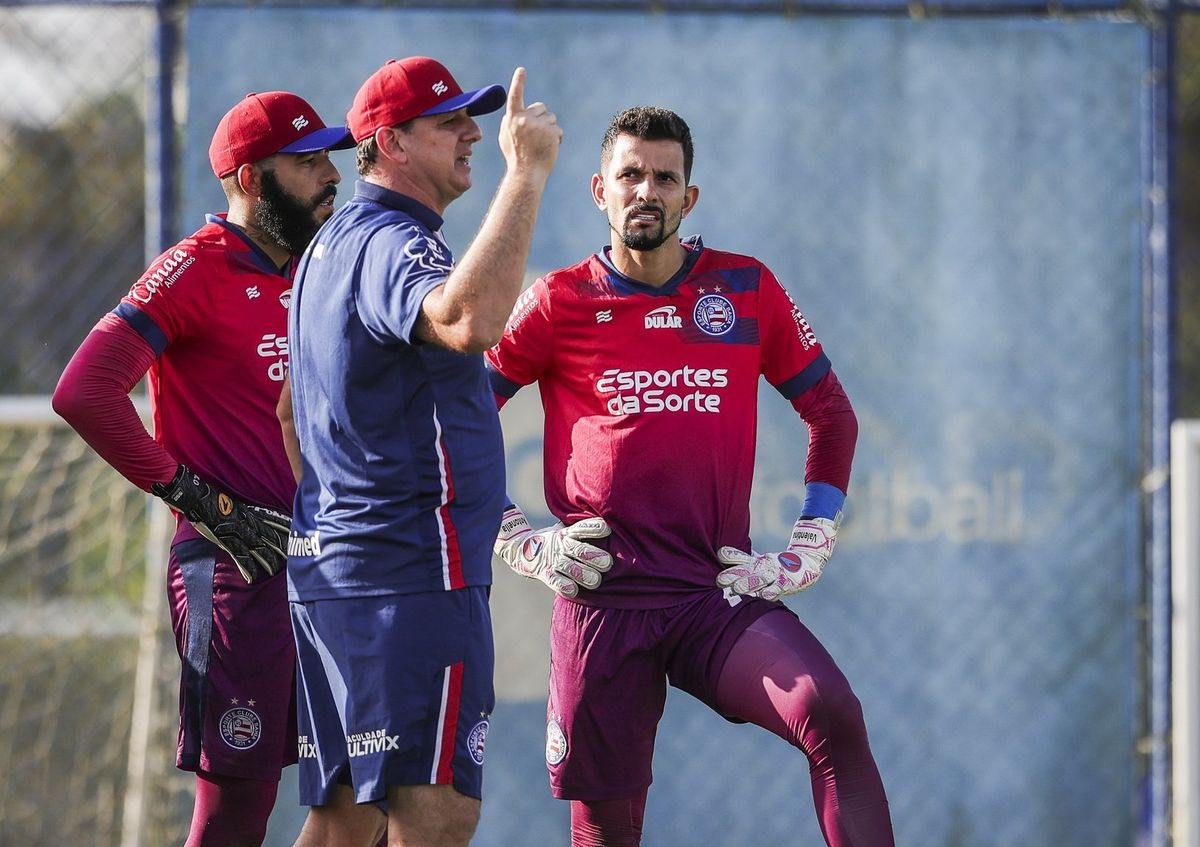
<point x="393" y="690"/>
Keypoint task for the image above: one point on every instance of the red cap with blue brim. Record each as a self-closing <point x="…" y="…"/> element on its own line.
<point x="404" y="89"/>
<point x="261" y="125"/>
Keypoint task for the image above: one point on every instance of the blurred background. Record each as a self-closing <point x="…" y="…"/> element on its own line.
<point x="988" y="211"/>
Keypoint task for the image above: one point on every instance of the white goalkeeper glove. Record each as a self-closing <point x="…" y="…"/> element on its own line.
<point x="556" y="555"/>
<point x="773" y="575"/>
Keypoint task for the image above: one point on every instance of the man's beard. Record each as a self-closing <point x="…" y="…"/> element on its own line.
<point x="648" y="239"/>
<point x="288" y="220"/>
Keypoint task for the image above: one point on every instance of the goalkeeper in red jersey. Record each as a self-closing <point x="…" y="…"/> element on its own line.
<point x="648" y="356"/>
<point x="208" y="322"/>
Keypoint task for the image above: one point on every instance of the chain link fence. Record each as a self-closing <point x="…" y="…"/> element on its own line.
<point x="71" y="171"/>
<point x="76" y="613"/>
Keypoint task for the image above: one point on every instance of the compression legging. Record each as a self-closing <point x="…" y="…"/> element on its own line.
<point x="608" y="823"/>
<point x="230" y="812"/>
<point x="781" y="678"/>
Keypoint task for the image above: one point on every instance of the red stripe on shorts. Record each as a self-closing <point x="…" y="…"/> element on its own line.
<point x="444" y="774"/>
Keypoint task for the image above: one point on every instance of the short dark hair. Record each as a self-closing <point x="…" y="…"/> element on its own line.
<point x="650" y="123"/>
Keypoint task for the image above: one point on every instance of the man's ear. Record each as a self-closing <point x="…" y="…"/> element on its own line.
<point x="691" y="197"/>
<point x="249" y="180"/>
<point x="598" y="192"/>
<point x="390" y="143"/>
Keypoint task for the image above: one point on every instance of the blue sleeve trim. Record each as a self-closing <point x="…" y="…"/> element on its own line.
<point x="501" y="384"/>
<point x="143" y="325"/>
<point x="806" y="379"/>
<point x="822" y="500"/>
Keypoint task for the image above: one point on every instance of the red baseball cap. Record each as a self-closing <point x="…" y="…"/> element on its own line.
<point x="261" y="125"/>
<point x="408" y="88"/>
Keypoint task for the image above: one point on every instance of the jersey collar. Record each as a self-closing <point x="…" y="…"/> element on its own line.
<point x="424" y="215"/>
<point x="260" y="257"/>
<point x="694" y="246"/>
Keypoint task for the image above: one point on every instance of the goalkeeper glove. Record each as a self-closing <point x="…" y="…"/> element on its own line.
<point x="255" y="536"/>
<point x="773" y="575"/>
<point x="556" y="555"/>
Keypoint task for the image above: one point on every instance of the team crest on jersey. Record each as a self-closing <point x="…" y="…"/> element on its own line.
<point x="477" y="740"/>
<point x="285" y="299"/>
<point x="241" y="728"/>
<point x="556" y="743"/>
<point x="714" y="314"/>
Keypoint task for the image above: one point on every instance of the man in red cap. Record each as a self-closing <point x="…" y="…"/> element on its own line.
<point x="208" y="322"/>
<point x="401" y="462"/>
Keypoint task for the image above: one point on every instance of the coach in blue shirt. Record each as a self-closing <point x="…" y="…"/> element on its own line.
<point x="395" y="438"/>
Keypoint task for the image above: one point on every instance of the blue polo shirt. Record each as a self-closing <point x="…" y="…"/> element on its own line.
<point x="403" y="480"/>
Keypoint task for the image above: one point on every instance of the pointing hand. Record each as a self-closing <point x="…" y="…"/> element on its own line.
<point x="529" y="135"/>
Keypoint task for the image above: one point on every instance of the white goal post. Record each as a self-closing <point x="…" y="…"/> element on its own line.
<point x="1185" y="633"/>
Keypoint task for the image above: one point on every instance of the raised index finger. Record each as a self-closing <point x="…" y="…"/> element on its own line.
<point x="516" y="92"/>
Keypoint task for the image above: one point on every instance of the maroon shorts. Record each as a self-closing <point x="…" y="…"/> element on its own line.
<point x="237" y="687"/>
<point x="609" y="670"/>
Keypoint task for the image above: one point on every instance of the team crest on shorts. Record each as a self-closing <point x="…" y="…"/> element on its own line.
<point x="556" y="743"/>
<point x="714" y="314"/>
<point x="241" y="728"/>
<point x="477" y="740"/>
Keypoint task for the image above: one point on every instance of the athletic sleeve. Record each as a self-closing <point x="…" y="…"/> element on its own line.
<point x="401" y="265"/>
<point x="795" y="363"/>
<point x="526" y="348"/>
<point x="92" y="395"/>
<point x="832" y="432"/>
<point x="792" y="357"/>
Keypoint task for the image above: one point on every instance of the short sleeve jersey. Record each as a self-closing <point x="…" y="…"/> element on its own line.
<point x="403" y="479"/>
<point x="650" y="397"/>
<point x="214" y="308"/>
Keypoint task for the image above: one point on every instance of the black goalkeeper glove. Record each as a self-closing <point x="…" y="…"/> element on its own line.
<point x="255" y="536"/>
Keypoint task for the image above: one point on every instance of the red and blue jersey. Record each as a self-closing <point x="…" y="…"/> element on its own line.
<point x="403" y="461"/>
<point x="650" y="396"/>
<point x="214" y="309"/>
